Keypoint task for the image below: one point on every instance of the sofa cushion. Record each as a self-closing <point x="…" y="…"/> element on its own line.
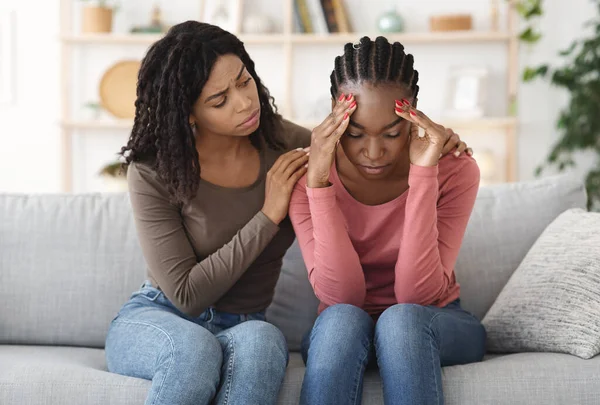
<point x="39" y="375"/>
<point x="507" y="219"/>
<point x="76" y="376"/>
<point x="67" y="263"/>
<point x="552" y="301"/>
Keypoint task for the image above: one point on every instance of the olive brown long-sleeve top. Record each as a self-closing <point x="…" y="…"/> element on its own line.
<point x="219" y="249"/>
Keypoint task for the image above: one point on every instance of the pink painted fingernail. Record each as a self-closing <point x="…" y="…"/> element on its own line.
<point x="405" y="102"/>
<point x="414" y="114"/>
<point x="342" y="97"/>
<point x="398" y="109"/>
<point x="345" y="116"/>
<point x="349" y="97"/>
<point x="353" y="104"/>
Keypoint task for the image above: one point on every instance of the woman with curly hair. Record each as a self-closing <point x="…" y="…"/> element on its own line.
<point x="211" y="168"/>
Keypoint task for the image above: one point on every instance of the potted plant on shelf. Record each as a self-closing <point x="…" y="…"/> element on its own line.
<point x="114" y="176"/>
<point x="97" y="16"/>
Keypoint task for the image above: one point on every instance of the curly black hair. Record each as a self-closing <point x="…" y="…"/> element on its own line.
<point x="375" y="62"/>
<point x="171" y="78"/>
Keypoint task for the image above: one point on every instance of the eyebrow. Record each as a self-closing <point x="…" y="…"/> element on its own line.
<point x="357" y="125"/>
<point x="219" y="94"/>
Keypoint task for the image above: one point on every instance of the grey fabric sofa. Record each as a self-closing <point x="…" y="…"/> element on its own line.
<point x="68" y="262"/>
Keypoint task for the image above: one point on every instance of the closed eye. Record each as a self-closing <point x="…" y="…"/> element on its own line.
<point x="222" y="103"/>
<point x="245" y="83"/>
<point x="396" y="135"/>
<point x="355" y="136"/>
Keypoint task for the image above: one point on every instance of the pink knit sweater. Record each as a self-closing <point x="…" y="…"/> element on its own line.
<point x="402" y="251"/>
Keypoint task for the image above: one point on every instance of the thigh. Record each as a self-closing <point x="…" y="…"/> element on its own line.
<point x="457" y="335"/>
<point x="460" y="336"/>
<point x="146" y="336"/>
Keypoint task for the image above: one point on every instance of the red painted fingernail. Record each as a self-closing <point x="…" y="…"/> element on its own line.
<point x="405" y="102"/>
<point x="398" y="109"/>
<point x="341" y="97"/>
<point x="398" y="102"/>
<point x="413" y="113"/>
<point x="353" y="104"/>
<point x="345" y="116"/>
<point x="349" y="97"/>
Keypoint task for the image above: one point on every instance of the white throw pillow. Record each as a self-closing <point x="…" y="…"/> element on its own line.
<point x="552" y="301"/>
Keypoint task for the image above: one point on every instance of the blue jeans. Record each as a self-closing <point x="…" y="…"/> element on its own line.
<point x="409" y="343"/>
<point x="221" y="357"/>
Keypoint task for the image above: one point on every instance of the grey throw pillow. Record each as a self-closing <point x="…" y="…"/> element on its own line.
<point x="552" y="301"/>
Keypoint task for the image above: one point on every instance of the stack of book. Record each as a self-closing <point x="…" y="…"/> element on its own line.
<point x="321" y="16"/>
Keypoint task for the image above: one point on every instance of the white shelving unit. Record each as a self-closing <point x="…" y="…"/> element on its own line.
<point x="288" y="39"/>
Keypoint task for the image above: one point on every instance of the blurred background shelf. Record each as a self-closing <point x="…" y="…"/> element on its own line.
<point x="295" y="66"/>
<point x="313" y="39"/>
<point x="456" y="124"/>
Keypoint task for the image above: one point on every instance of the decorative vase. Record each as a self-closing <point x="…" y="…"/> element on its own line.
<point x="257" y="24"/>
<point x="96" y="20"/>
<point x="390" y="21"/>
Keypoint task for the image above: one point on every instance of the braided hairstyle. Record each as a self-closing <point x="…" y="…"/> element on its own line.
<point x="375" y="62"/>
<point x="171" y="78"/>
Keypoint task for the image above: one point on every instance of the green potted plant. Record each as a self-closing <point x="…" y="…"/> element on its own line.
<point x="114" y="176"/>
<point x="579" y="122"/>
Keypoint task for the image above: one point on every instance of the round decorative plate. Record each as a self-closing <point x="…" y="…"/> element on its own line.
<point x="118" y="88"/>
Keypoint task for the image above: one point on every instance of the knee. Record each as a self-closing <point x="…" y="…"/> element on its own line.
<point x="343" y="319"/>
<point x="405" y="322"/>
<point x="340" y="330"/>
<point x="256" y="340"/>
<point x="193" y="347"/>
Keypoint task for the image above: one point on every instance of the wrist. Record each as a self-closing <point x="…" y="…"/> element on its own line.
<point x="276" y="219"/>
<point x="317" y="178"/>
<point x="430" y="158"/>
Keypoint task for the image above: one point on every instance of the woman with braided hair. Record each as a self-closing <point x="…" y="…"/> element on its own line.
<point x="211" y="168"/>
<point x="380" y="218"/>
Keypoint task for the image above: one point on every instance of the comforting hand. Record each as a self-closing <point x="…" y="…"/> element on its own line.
<point x="427" y="139"/>
<point x="281" y="179"/>
<point x="454" y="142"/>
<point x="324" y="140"/>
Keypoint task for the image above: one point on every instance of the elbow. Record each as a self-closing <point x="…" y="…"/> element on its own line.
<point x="423" y="293"/>
<point x="189" y="306"/>
<point x="354" y="297"/>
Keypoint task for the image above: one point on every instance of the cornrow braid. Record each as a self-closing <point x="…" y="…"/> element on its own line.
<point x="375" y="62"/>
<point x="171" y="78"/>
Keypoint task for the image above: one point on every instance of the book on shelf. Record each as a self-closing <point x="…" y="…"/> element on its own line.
<point x="321" y="16"/>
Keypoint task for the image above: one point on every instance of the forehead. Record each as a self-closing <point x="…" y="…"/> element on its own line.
<point x="225" y="70"/>
<point x="375" y="103"/>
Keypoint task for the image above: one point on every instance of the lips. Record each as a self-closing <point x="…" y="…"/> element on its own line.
<point x="373" y="169"/>
<point x="251" y="116"/>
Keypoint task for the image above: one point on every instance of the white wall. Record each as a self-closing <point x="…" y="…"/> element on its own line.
<point x="30" y="137"/>
<point x="29" y="134"/>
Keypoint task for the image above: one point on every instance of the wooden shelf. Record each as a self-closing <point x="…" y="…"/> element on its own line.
<point x="415" y="38"/>
<point x="149" y="39"/>
<point x="313" y="39"/>
<point x="108" y="125"/>
<point x="479" y="123"/>
<point x="457" y="124"/>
